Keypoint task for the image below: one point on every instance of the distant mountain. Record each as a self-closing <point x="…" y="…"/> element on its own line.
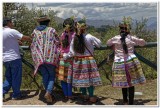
<point x="151" y="23"/>
<point x="99" y="23"/>
<point x="59" y="20"/>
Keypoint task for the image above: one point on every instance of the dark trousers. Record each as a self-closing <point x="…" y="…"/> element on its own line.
<point x="128" y="92"/>
<point x="67" y="88"/>
<point x="48" y="76"/>
<point x="90" y="90"/>
<point x="13" y="75"/>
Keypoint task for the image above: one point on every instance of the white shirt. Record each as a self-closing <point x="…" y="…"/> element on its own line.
<point x="131" y="41"/>
<point x="90" y="42"/>
<point x="10" y="44"/>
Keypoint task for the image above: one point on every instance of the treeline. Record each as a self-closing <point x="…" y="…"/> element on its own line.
<point x="24" y="21"/>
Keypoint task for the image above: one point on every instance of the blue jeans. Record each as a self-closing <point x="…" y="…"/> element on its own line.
<point x="13" y="75"/>
<point x="67" y="88"/>
<point x="48" y="76"/>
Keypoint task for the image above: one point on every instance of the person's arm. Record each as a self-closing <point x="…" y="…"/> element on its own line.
<point x="19" y="36"/>
<point x="20" y="42"/>
<point x="138" y="41"/>
<point x="110" y="42"/>
<point x="26" y="38"/>
<point x="71" y="51"/>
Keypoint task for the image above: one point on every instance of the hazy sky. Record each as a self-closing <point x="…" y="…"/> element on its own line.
<point x="104" y="11"/>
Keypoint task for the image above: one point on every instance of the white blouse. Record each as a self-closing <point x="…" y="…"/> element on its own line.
<point x="131" y="41"/>
<point x="90" y="42"/>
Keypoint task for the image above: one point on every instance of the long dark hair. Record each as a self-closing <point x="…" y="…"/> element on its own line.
<point x="123" y="40"/>
<point x="79" y="42"/>
<point x="70" y="22"/>
<point x="65" y="41"/>
<point x="124" y="31"/>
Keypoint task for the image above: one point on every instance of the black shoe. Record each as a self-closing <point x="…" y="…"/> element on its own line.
<point x="4" y="99"/>
<point x="19" y="97"/>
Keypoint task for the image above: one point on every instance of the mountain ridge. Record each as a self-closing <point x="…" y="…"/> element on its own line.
<point x="151" y="23"/>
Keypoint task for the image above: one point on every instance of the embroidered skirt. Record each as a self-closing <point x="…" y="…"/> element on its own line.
<point x="127" y="74"/>
<point x="63" y="70"/>
<point x="85" y="72"/>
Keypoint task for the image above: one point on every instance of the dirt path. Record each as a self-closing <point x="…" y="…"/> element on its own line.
<point x="107" y="96"/>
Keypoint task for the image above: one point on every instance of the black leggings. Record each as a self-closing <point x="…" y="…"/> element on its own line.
<point x="128" y="91"/>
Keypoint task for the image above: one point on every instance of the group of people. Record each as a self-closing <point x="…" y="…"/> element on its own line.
<point x="70" y="58"/>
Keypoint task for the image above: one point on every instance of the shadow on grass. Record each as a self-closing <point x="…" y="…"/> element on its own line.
<point x="136" y="101"/>
<point x="25" y="95"/>
<point x="59" y="97"/>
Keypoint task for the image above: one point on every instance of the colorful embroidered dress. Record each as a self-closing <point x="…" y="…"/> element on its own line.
<point x="64" y="65"/>
<point x="44" y="47"/>
<point x="127" y="70"/>
<point x="84" y="70"/>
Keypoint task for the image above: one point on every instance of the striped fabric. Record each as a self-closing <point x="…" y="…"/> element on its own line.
<point x="85" y="72"/>
<point x="64" y="67"/>
<point x="44" y="47"/>
<point x="127" y="75"/>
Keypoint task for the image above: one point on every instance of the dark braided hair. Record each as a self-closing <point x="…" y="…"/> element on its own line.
<point x="123" y="33"/>
<point x="123" y="40"/>
<point x="125" y="28"/>
<point x="70" y="22"/>
<point x="79" y="43"/>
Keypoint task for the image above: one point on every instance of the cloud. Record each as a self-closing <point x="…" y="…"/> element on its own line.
<point x="103" y="10"/>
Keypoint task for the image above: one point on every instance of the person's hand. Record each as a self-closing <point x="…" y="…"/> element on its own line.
<point x="65" y="56"/>
<point x="20" y="42"/>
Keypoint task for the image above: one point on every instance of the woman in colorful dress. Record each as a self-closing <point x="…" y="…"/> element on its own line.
<point x="64" y="72"/>
<point x="85" y="71"/>
<point x="127" y="70"/>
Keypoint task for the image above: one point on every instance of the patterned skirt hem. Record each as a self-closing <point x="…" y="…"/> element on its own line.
<point x="77" y="85"/>
<point x="130" y="85"/>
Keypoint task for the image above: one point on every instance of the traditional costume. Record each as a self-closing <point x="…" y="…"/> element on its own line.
<point x="65" y="66"/>
<point x="126" y="69"/>
<point x="85" y="72"/>
<point x="45" y="54"/>
<point x="44" y="47"/>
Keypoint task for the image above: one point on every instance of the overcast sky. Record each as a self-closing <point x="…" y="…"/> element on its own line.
<point x="102" y="11"/>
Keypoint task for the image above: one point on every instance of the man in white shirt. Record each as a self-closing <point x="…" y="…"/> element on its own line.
<point x="12" y="59"/>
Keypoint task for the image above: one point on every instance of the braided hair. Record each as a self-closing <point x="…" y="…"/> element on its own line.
<point x="125" y="28"/>
<point x="123" y="40"/>
<point x="67" y="24"/>
<point x="79" y="42"/>
<point x="123" y="33"/>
